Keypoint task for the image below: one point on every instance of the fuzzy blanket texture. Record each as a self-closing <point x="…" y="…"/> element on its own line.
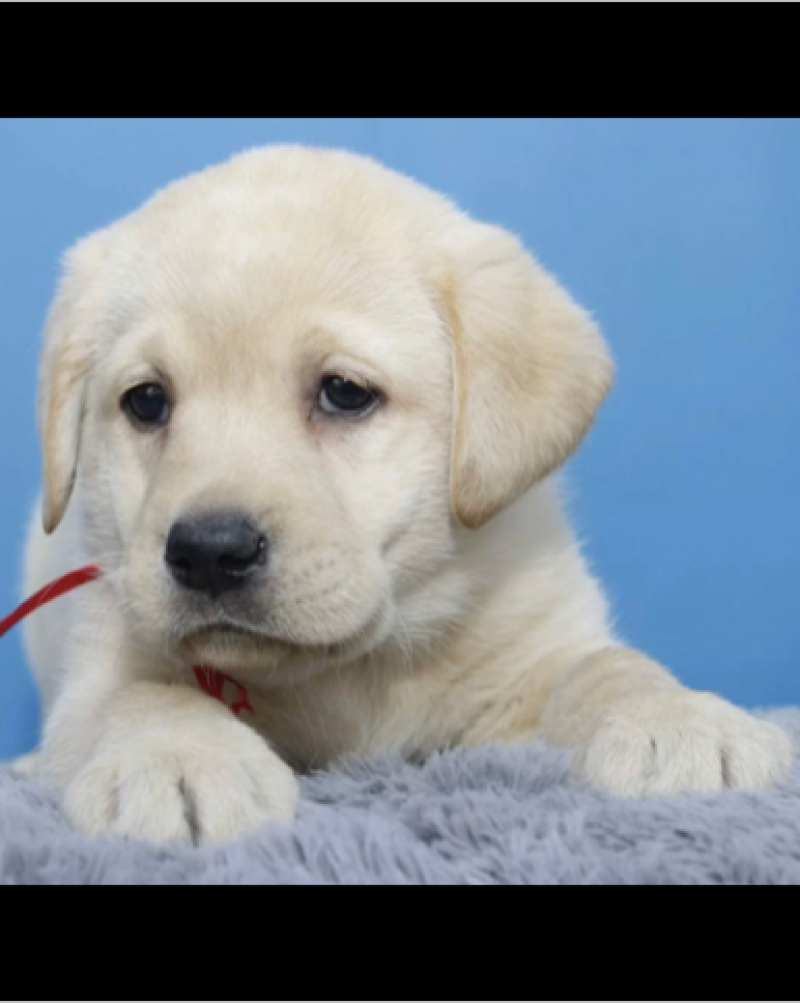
<point x="492" y="817"/>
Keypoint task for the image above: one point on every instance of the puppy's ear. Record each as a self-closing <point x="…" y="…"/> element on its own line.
<point x="62" y="387"/>
<point x="531" y="370"/>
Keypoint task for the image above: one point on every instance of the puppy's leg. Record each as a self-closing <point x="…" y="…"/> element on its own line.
<point x="160" y="763"/>
<point x="637" y="733"/>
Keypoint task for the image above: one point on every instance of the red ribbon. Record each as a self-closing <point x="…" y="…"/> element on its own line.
<point x="211" y="682"/>
<point x="70" y="583"/>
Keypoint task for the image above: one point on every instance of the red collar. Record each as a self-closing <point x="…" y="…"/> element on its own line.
<point x="219" y="686"/>
<point x="214" y="684"/>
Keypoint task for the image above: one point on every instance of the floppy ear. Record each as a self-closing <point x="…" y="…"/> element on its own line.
<point x="62" y="391"/>
<point x="531" y="370"/>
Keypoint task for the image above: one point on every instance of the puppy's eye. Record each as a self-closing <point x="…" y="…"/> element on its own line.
<point x="344" y="397"/>
<point x="148" y="406"/>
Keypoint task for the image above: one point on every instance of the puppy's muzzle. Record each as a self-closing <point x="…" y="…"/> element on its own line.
<point x="216" y="554"/>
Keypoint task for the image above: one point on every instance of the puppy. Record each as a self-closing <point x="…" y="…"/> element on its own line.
<point x="308" y="417"/>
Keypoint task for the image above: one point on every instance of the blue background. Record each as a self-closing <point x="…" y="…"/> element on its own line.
<point x="683" y="236"/>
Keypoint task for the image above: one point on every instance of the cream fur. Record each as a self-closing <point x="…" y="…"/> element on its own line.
<point x="425" y="591"/>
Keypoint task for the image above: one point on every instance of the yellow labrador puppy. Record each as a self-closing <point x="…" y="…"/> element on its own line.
<point x="307" y="416"/>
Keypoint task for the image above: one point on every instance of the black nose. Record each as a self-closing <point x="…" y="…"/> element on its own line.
<point x="216" y="554"/>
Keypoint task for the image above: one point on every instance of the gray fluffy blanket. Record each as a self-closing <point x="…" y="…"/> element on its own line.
<point x="493" y="817"/>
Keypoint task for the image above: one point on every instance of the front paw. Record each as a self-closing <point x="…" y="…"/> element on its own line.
<point x="205" y="786"/>
<point x="668" y="743"/>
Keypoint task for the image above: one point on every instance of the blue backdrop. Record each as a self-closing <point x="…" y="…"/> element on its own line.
<point x="682" y="236"/>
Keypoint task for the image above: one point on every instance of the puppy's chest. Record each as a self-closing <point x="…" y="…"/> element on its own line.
<point x="317" y="724"/>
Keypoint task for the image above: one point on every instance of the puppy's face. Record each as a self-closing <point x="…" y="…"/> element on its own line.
<point x="282" y="386"/>
<point x="315" y="426"/>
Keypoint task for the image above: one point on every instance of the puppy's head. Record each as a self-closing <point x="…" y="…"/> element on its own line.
<point x="285" y="387"/>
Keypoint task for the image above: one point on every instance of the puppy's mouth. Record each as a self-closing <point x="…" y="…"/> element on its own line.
<point x="229" y="636"/>
<point x="231" y="632"/>
<point x="231" y="646"/>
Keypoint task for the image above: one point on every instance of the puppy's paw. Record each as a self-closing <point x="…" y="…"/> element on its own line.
<point x="26" y="768"/>
<point x="203" y="786"/>
<point x="669" y="743"/>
